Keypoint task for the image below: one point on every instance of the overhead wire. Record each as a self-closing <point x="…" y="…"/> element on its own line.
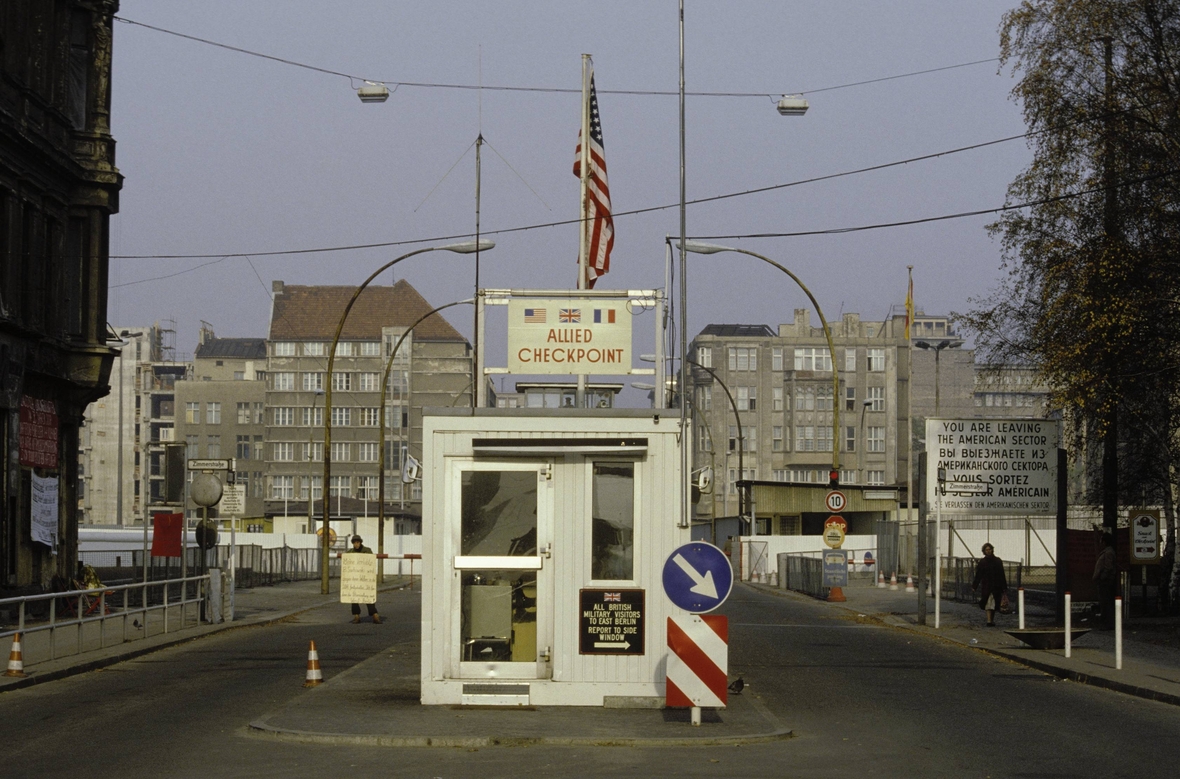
<point x="551" y="90"/>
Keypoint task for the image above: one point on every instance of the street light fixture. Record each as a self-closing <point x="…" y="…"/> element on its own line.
<point x="792" y="105"/>
<point x="371" y="92"/>
<point x="937" y="349"/>
<point x="697" y="247"/>
<point x="464" y="247"/>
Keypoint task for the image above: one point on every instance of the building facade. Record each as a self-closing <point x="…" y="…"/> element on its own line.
<point x="220" y="411"/>
<point x="780" y="398"/>
<point x="432" y="368"/>
<point x="58" y="188"/>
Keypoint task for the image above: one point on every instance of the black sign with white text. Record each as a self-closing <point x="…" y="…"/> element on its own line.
<point x="611" y="622"/>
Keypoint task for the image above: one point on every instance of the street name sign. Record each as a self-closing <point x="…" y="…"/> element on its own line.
<point x="209" y="465"/>
<point x="612" y="622"/>
<point x="569" y="336"/>
<point x="697" y="577"/>
<point x="992" y="466"/>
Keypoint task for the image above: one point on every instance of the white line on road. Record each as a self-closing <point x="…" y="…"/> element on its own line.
<point x="819" y="627"/>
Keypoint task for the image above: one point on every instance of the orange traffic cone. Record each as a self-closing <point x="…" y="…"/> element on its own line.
<point x="881" y="580"/>
<point x="314" y="675"/>
<point x="909" y="584"/>
<point x="16" y="663"/>
<point x="893" y="581"/>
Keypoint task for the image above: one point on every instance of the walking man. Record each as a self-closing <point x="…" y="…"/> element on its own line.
<point x="358" y="547"/>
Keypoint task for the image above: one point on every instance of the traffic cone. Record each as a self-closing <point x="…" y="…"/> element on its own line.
<point x="314" y="675"/>
<point x="909" y="584"/>
<point x="893" y="581"/>
<point x="880" y="580"/>
<point x="16" y="663"/>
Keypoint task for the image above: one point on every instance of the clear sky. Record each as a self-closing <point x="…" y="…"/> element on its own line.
<point x="226" y="153"/>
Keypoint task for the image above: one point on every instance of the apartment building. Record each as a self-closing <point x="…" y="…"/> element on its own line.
<point x="431" y="368"/>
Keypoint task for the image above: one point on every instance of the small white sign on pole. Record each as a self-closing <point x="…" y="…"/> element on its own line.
<point x="993" y="466"/>
<point x="569" y="336"/>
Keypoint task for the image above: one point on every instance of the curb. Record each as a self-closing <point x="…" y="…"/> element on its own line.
<point x="1030" y="662"/>
<point x="261" y="729"/>
<point x="86" y="666"/>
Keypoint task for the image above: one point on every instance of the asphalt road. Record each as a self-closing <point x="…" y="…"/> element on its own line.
<point x="863" y="699"/>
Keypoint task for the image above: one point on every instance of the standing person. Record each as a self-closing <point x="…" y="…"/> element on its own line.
<point x="358" y="547"/>
<point x="1105" y="576"/>
<point x="989" y="579"/>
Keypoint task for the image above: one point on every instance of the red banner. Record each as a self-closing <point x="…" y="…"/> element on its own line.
<point x="166" y="534"/>
<point x="38" y="433"/>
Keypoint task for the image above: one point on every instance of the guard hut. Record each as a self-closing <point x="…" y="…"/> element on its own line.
<point x="545" y="533"/>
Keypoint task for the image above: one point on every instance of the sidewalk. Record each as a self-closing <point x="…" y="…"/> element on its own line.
<point x="255" y="606"/>
<point x="1151" y="647"/>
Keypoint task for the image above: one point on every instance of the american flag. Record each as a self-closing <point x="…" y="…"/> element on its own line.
<point x="602" y="225"/>
<point x="612" y="597"/>
<point x="569" y="315"/>
<point x="534" y="316"/>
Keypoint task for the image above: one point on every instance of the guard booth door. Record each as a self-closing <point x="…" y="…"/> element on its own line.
<point x="500" y="522"/>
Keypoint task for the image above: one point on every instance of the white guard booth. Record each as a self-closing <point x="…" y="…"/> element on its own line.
<point x="545" y="533"/>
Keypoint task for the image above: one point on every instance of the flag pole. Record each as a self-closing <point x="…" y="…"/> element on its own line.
<point x="584" y="233"/>
<point x="909" y="423"/>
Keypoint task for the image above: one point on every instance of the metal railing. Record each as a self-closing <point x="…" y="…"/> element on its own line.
<point x="958" y="573"/>
<point x="255" y="565"/>
<point x="802" y="572"/>
<point x="134" y="611"/>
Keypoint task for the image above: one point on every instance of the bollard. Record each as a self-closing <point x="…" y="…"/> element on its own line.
<point x="1020" y="606"/>
<point x="1118" y="634"/>
<point x="1068" y="621"/>
<point x="696" y="716"/>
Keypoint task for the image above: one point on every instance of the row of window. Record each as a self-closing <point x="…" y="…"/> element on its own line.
<point x="318" y="349"/>
<point x="806" y="358"/>
<point x="342" y="381"/>
<point x="313" y="451"/>
<point x="362" y="487"/>
<point x="808" y="438"/>
<point x="1009" y="400"/>
<point x="342" y="416"/>
<point x="816" y="476"/>
<point x="808" y="397"/>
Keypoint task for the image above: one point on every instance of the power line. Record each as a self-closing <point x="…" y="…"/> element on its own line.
<point x="563" y="222"/>
<point x="549" y="90"/>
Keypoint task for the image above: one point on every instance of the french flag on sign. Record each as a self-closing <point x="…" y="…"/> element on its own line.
<point x="604" y="316"/>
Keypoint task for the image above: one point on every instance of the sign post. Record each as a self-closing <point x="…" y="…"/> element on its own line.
<point x="697" y="578"/>
<point x="835" y="529"/>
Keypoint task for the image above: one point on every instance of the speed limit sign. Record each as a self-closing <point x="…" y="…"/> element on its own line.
<point x="835" y="501"/>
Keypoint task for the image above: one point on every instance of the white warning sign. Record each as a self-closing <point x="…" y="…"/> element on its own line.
<point x="992" y="466"/>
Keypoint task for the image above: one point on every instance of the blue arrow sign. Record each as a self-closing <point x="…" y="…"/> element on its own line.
<point x="697" y="577"/>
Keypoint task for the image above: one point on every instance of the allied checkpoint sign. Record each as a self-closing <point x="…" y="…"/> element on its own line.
<point x="993" y="466"/>
<point x="569" y="336"/>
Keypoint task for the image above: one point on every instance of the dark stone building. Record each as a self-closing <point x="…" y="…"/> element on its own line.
<point x="58" y="189"/>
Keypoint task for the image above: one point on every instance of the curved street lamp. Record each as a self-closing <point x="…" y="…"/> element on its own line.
<point x="381" y="429"/>
<point x="708" y="248"/>
<point x="741" y="436"/>
<point x="466" y="247"/>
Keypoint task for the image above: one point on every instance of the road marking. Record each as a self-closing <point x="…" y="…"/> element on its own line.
<point x="813" y="627"/>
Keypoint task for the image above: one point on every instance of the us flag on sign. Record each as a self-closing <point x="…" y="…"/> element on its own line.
<point x="598" y="217"/>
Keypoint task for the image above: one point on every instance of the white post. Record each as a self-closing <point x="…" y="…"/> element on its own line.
<point x="696" y="716"/>
<point x="1118" y="634"/>
<point x="1020" y="606"/>
<point x="938" y="560"/>
<point x="1068" y="624"/>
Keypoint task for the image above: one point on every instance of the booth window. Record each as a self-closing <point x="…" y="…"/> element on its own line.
<point x="499" y="513"/>
<point x="613" y="534"/>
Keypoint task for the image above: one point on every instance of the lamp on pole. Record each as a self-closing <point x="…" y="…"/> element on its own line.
<point x="741" y="437"/>
<point x="707" y="248"/>
<point x="466" y="247"/>
<point x="937" y="349"/>
<point x="381" y="430"/>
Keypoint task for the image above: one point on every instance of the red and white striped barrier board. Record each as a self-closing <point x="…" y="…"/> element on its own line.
<point x="698" y="660"/>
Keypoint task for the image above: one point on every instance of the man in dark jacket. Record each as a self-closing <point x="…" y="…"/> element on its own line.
<point x="989" y="579"/>
<point x="1106" y="573"/>
<point x="358" y="547"/>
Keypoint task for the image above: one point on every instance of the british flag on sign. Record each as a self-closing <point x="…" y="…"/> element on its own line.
<point x="569" y="315"/>
<point x="598" y="216"/>
<point x="612" y="597"/>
